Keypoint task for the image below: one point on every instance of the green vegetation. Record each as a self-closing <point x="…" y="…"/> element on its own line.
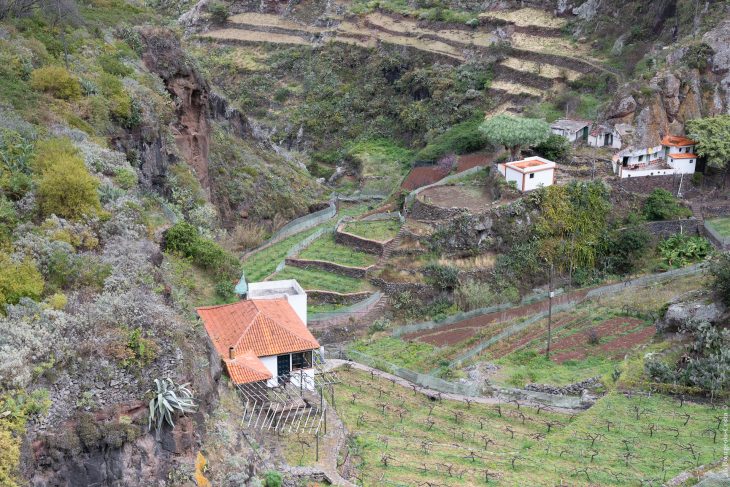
<point x="380" y="230"/>
<point x="219" y="12"/>
<point x="555" y="148"/>
<point x="680" y="250"/>
<point x="720" y="270"/>
<point x="57" y="81"/>
<point x="325" y="248"/>
<point x="168" y="400"/>
<point x="713" y="139"/>
<point x="528" y="366"/>
<point x="18" y="280"/>
<point x="311" y="279"/>
<point x="461" y="138"/>
<point x="67" y="189"/>
<point x="662" y="205"/>
<point x="412" y="355"/>
<point x="185" y="239"/>
<point x="407" y="439"/>
<point x="263" y="263"/>
<point x="515" y="132"/>
<point x="381" y="164"/>
<point x="720" y="225"/>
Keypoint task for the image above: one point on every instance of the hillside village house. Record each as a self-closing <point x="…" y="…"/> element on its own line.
<point x="573" y="130"/>
<point x="604" y="135"/>
<point x="675" y="155"/>
<point x="263" y="338"/>
<point x="529" y="174"/>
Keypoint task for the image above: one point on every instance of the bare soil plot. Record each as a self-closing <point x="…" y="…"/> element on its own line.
<point x="423" y="176"/>
<point x="474" y="198"/>
<point x="527" y="17"/>
<point x="467" y="161"/>
<point x="271" y="20"/>
<point x="553" y="45"/>
<point x="516" y="88"/>
<point x="255" y="36"/>
<point x="540" y="69"/>
<point x="410" y="27"/>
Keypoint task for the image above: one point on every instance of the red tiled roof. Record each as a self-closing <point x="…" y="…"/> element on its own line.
<point x="255" y="328"/>
<point x="683" y="155"/>
<point x="677" y="141"/>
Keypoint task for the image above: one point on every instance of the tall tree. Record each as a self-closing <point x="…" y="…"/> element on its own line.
<point x="515" y="132"/>
<point x="713" y="139"/>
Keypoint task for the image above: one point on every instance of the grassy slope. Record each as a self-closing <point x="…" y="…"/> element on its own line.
<point x="381" y="230"/>
<point x="542" y="458"/>
<point x="325" y="248"/>
<point x="721" y="225"/>
<point x="311" y="279"/>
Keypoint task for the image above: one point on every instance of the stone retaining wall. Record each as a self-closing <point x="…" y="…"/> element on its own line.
<point x="390" y="288"/>
<point x="664" y="229"/>
<point x="424" y="211"/>
<point x="645" y="185"/>
<point x="359" y="243"/>
<point x="356" y="272"/>
<point x="332" y="297"/>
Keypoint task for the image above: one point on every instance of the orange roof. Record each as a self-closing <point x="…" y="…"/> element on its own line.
<point x="683" y="155"/>
<point x="263" y="326"/>
<point x="247" y="368"/>
<point x="677" y="141"/>
<point x="528" y="163"/>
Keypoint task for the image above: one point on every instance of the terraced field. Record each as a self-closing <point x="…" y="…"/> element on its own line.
<point x="540" y="61"/>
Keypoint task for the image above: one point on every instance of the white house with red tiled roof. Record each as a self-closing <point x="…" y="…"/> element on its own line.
<point x="675" y="155"/>
<point x="529" y="174"/>
<point x="264" y="337"/>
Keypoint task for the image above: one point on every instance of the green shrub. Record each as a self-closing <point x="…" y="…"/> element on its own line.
<point x="57" y="301"/>
<point x="720" y="270"/>
<point x="662" y="205"/>
<point x="272" y="479"/>
<point x="113" y="65"/>
<point x="680" y="249"/>
<point x="282" y="94"/>
<point x="57" y="81"/>
<point x="442" y="276"/>
<point x="47" y="151"/>
<point x="461" y="138"/>
<point x="556" y="148"/>
<point x="18" y="280"/>
<point x="625" y="248"/>
<point x="125" y="178"/>
<point x="68" y="190"/>
<point x="698" y="56"/>
<point x="219" y="12"/>
<point x="185" y="239"/>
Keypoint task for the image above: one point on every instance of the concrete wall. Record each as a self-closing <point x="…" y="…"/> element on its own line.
<point x="288" y="288"/>
<point x="536" y="179"/>
<point x="664" y="229"/>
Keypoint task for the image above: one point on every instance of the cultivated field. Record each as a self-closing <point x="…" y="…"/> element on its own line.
<point x="404" y="438"/>
<point x="325" y="248"/>
<point x="380" y="230"/>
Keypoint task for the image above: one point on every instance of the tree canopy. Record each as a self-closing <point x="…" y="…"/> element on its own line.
<point x="515" y="132"/>
<point x="572" y="223"/>
<point x="713" y="139"/>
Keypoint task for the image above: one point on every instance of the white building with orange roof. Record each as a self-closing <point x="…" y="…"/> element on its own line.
<point x="263" y="338"/>
<point x="675" y="155"/>
<point x="529" y="174"/>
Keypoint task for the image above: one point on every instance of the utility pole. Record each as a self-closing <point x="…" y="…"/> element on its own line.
<point x="550" y="312"/>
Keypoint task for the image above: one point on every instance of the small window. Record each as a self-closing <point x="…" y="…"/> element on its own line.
<point x="641" y="158"/>
<point x="301" y="360"/>
<point x="532" y="176"/>
<point x="691" y="161"/>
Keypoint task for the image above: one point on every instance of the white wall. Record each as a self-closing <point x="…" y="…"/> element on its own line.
<point x="682" y="166"/>
<point x="597" y="141"/>
<point x="623" y="172"/>
<point x="270" y="363"/>
<point x="288" y="288"/>
<point x="513" y="175"/>
<point x="541" y="178"/>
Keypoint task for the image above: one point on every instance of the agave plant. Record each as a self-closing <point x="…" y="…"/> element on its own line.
<point x="168" y="399"/>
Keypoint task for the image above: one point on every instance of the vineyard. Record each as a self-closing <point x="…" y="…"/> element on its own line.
<point x="402" y="437"/>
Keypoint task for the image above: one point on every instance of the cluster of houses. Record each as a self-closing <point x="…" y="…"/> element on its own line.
<point x="674" y="155"/>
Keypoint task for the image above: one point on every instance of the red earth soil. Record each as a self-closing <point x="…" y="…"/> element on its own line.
<point x="467" y="161"/>
<point x="465" y="329"/>
<point x="509" y="345"/>
<point x="576" y="346"/>
<point x="423" y="176"/>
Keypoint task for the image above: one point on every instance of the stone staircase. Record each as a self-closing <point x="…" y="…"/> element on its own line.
<point x="388" y="250"/>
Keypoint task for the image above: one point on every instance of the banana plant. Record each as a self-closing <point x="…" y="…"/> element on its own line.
<point x="168" y="400"/>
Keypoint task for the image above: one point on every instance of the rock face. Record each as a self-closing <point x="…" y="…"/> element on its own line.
<point x="576" y="389"/>
<point x="164" y="56"/>
<point x="679" y="313"/>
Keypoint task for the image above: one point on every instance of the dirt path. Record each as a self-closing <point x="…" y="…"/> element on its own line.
<point x="330" y="446"/>
<point x="335" y="363"/>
